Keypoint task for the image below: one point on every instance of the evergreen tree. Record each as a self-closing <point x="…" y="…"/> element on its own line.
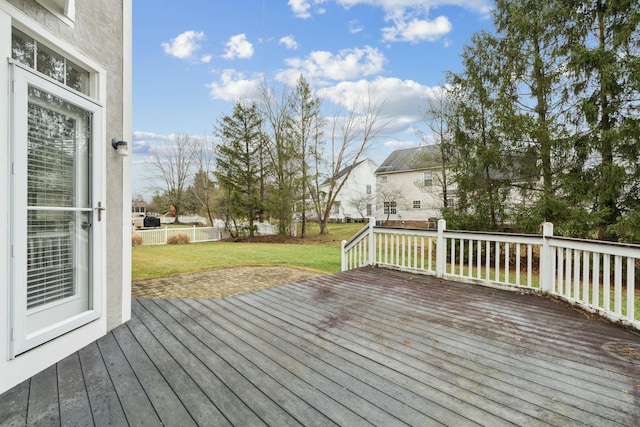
<point x="536" y="100"/>
<point x="481" y="173"/>
<point x="238" y="166"/>
<point x="602" y="44"/>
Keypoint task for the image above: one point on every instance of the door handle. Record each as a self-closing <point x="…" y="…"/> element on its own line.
<point x="99" y="208"/>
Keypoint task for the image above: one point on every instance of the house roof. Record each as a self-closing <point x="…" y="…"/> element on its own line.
<point x="423" y="157"/>
<point x="345" y="170"/>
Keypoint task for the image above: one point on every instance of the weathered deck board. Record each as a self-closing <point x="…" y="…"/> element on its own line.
<point x="365" y="347"/>
<point x="43" y="398"/>
<point x="504" y="392"/>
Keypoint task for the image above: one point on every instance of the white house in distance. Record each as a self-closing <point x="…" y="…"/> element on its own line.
<point x="357" y="198"/>
<point x="409" y="187"/>
<point x="65" y="261"/>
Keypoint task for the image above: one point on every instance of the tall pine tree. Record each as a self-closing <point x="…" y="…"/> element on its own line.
<point x="602" y="47"/>
<point x="238" y="165"/>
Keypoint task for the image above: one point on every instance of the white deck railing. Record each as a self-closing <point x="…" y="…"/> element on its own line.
<point x="598" y="276"/>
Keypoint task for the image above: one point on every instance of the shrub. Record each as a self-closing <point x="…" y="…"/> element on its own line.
<point x="178" y="239"/>
<point x="136" y="239"/>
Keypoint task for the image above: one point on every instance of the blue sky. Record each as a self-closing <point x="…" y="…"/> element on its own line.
<point x="192" y="59"/>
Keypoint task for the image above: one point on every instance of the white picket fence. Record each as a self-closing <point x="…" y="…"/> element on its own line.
<point x="595" y="275"/>
<point x="159" y="236"/>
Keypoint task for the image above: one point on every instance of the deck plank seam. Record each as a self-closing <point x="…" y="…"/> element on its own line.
<point x="447" y="310"/>
<point x="348" y="343"/>
<point x="386" y="305"/>
<point x="314" y="363"/>
<point x="368" y="374"/>
<point x="275" y="362"/>
<point x="187" y="375"/>
<point x="146" y="306"/>
<point x="497" y="390"/>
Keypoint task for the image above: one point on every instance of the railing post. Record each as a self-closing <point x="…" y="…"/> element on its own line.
<point x="546" y="254"/>
<point x="441" y="249"/>
<point x="343" y="257"/>
<point x="372" y="242"/>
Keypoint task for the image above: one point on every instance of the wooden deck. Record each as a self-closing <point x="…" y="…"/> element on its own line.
<point x="364" y="347"/>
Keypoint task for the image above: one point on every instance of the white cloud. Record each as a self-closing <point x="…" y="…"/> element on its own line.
<point x="184" y="45"/>
<point x="206" y="59"/>
<point x="404" y="99"/>
<point x="289" y="42"/>
<point x="355" y="27"/>
<point x="142" y="142"/>
<point x="238" y="47"/>
<point x="399" y="145"/>
<point x="301" y="8"/>
<point x="482" y="7"/>
<point x="322" y="66"/>
<point x="142" y="136"/>
<point x="410" y="29"/>
<point x="233" y="86"/>
<point x="410" y="18"/>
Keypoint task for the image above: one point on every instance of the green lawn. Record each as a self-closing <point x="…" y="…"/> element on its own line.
<point x="320" y="253"/>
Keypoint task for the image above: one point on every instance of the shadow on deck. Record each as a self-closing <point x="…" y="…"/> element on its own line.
<point x="369" y="346"/>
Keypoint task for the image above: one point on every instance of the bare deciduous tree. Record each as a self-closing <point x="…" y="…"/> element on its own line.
<point x="351" y="134"/>
<point x="360" y="203"/>
<point x="282" y="155"/>
<point x="389" y="197"/>
<point x="172" y="163"/>
<point x="203" y="188"/>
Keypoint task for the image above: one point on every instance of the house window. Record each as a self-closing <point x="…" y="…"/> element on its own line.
<point x="428" y="179"/>
<point x="390" y="208"/>
<point x="63" y="9"/>
<point x="39" y="57"/>
<point x="416" y="204"/>
<point x="368" y="188"/>
<point x="383" y="179"/>
<point x="369" y="210"/>
<point x="336" y="208"/>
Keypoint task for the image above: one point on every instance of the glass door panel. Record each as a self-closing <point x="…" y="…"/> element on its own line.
<point x="52" y="210"/>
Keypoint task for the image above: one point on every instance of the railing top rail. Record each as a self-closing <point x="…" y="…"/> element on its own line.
<point x="383" y="229"/>
<point x="602" y="246"/>
<point x="492" y="233"/>
<point x="357" y="237"/>
<point x="493" y="237"/>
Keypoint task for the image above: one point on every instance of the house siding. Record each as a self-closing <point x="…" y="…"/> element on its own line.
<point x="101" y="34"/>
<point x="401" y="177"/>
<point x="409" y="190"/>
<point x="354" y="188"/>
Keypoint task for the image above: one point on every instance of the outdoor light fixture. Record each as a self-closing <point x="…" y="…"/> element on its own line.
<point x="121" y="147"/>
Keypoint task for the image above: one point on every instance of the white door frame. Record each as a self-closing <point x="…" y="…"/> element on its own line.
<point x="22" y="339"/>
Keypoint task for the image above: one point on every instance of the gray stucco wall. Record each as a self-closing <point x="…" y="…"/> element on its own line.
<point x="98" y="33"/>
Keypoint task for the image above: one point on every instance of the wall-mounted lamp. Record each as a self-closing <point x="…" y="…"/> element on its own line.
<point x="121" y="147"/>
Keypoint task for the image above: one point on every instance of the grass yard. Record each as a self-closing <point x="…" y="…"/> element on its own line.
<point x="315" y="252"/>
